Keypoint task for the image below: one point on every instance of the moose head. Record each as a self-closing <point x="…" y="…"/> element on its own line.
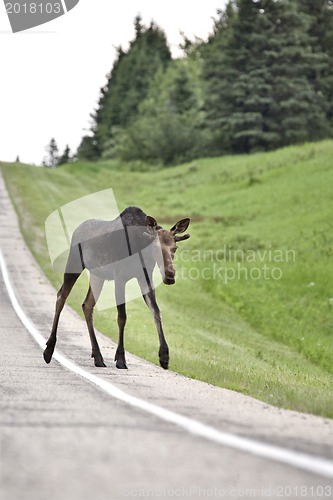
<point x="165" y="243"/>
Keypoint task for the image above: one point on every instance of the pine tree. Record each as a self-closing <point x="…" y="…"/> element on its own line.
<point x="320" y="30"/>
<point x="181" y="95"/>
<point x="218" y="77"/>
<point x="168" y="127"/>
<point x="259" y="95"/>
<point x="301" y="108"/>
<point x="88" y="149"/>
<point x="66" y="156"/>
<point x="52" y="151"/>
<point x="127" y="85"/>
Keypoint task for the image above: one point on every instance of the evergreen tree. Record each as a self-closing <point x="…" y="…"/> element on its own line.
<point x="52" y="151"/>
<point x="107" y="115"/>
<point x="127" y="84"/>
<point x="320" y="14"/>
<point x="66" y="156"/>
<point x="301" y="108"/>
<point x="259" y="95"/>
<point x="218" y="77"/>
<point x="182" y="97"/>
<point x="88" y="149"/>
<point x="168" y="127"/>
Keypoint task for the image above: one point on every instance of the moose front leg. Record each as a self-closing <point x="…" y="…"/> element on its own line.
<point x="150" y="300"/>
<point x="69" y="281"/>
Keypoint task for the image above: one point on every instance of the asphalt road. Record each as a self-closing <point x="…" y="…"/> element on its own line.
<point x="62" y="437"/>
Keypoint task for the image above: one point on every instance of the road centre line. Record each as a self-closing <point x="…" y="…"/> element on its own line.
<point x="316" y="465"/>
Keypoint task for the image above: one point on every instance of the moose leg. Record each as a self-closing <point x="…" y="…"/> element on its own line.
<point x="94" y="291"/>
<point x="121" y="307"/>
<point x="69" y="281"/>
<point x="150" y="300"/>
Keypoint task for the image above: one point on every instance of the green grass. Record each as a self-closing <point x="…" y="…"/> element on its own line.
<point x="252" y="309"/>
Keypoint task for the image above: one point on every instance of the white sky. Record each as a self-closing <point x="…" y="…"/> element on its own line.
<point x="51" y="75"/>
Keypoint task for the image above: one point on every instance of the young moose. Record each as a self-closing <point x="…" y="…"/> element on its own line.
<point x="128" y="247"/>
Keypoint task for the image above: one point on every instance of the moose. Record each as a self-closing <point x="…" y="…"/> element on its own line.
<point x="127" y="247"/>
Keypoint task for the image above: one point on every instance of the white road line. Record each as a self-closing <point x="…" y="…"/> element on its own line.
<point x="309" y="463"/>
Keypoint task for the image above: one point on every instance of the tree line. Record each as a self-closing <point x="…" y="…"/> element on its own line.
<point x="262" y="80"/>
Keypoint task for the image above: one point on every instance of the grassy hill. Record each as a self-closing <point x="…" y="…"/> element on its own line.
<point x="252" y="309"/>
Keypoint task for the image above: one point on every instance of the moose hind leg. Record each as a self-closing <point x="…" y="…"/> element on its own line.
<point x="121" y="308"/>
<point x="88" y="305"/>
<point x="69" y="281"/>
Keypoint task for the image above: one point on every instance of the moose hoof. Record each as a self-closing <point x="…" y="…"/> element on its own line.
<point x="121" y="365"/>
<point x="47" y="355"/>
<point x="164" y="364"/>
<point x="120" y="360"/>
<point x="163" y="355"/>
<point x="100" y="363"/>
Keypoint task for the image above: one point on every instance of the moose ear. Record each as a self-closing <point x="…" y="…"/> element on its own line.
<point x="181" y="226"/>
<point x="182" y="238"/>
<point x="151" y="224"/>
<point x="150" y="221"/>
